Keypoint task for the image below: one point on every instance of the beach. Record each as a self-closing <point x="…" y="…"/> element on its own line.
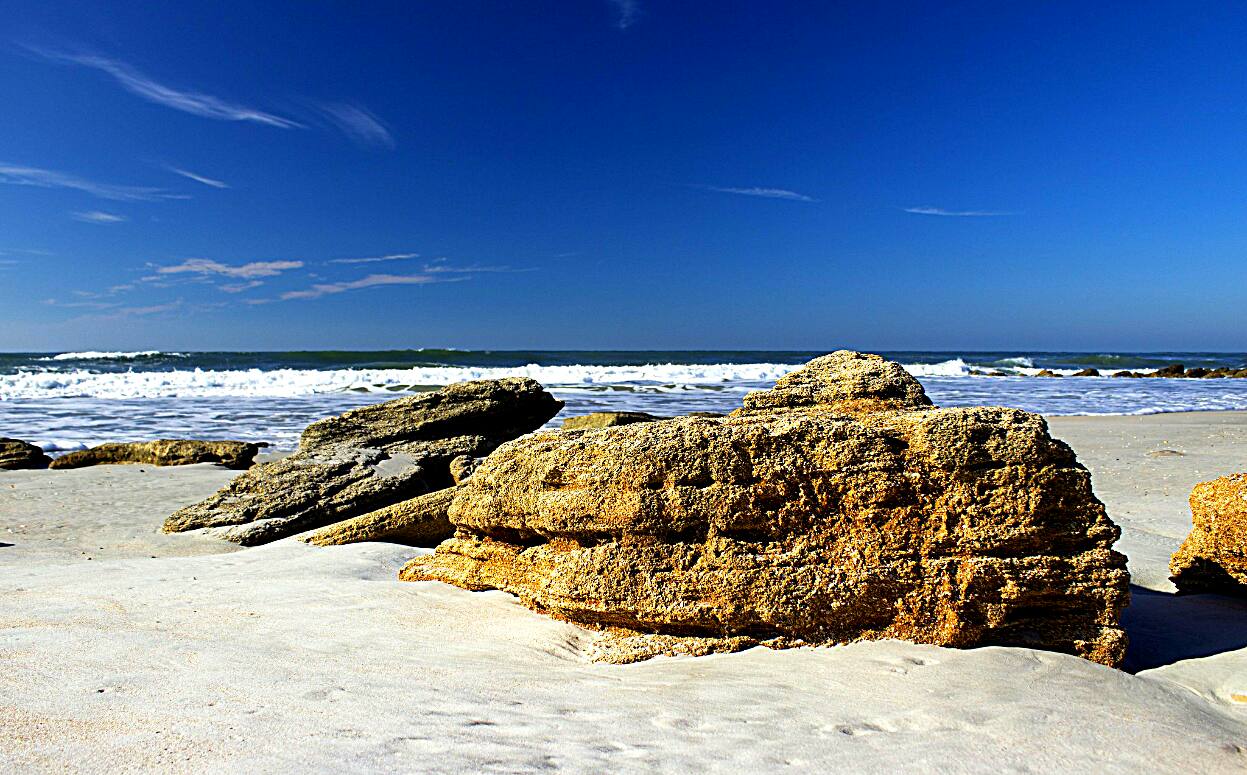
<point x="124" y="649"/>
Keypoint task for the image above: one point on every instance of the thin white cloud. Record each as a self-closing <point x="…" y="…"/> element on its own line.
<point x="626" y="12"/>
<point x="208" y="267"/>
<point x="374" y="259"/>
<point x="358" y="124"/>
<point x="195" y="103"/>
<point x="97" y="216"/>
<point x="33" y="176"/>
<point x="439" y="266"/>
<point x="769" y="193"/>
<point x="240" y="287"/>
<point x="954" y="213"/>
<point x="326" y="289"/>
<point x="198" y="178"/>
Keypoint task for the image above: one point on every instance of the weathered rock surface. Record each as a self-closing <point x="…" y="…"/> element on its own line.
<point x="462" y="467"/>
<point x="838" y="506"/>
<point x="421" y="521"/>
<point x="1213" y="558"/>
<point x="16" y="454"/>
<point x="165" y="452"/>
<point x="370" y="458"/>
<point x="606" y="420"/>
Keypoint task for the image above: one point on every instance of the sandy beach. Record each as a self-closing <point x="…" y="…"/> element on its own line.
<point x="122" y="649"/>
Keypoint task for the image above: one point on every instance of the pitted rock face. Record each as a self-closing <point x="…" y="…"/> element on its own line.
<point x="370" y="458"/>
<point x="16" y="454"/>
<point x="1213" y="558"/>
<point x="805" y="523"/>
<point x="844" y="381"/>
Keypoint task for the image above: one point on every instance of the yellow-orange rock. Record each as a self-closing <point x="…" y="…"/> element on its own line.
<point x="838" y="506"/>
<point x="1213" y="558"/>
<point x="164" y="452"/>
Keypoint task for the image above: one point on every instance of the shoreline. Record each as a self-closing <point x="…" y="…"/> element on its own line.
<point x="187" y="653"/>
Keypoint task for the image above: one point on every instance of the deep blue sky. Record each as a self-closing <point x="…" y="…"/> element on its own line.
<point x="598" y="174"/>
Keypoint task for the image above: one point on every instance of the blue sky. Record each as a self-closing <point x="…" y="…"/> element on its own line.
<point x="622" y="174"/>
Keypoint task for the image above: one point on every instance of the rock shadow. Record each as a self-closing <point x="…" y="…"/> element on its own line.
<point x="1165" y="628"/>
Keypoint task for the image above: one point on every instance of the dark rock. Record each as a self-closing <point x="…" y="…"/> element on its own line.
<point x="1176" y="370"/>
<point x="1047" y="373"/>
<point x="1087" y="373"/>
<point x="17" y="454"/>
<point x="369" y="458"/>
<point x="1128" y="374"/>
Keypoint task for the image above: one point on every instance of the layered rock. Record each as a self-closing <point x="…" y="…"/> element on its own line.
<point x="17" y="454"/>
<point x="421" y="521"/>
<point x="838" y="506"/>
<point x="606" y="420"/>
<point x="165" y="452"/>
<point x="1213" y="558"/>
<point x="369" y="458"/>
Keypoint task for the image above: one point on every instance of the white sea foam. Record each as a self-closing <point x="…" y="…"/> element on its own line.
<point x="96" y="355"/>
<point x="302" y="382"/>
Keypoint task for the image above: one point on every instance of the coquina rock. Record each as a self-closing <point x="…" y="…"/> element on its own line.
<point x="165" y="452"/>
<point x="1213" y="558"/>
<point x="838" y="506"/>
<point x="607" y="420"/>
<point x="369" y="458"/>
<point x="421" y="521"/>
<point x="17" y="454"/>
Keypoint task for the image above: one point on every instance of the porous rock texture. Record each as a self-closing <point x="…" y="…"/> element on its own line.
<point x="369" y="458"/>
<point x="17" y="454"/>
<point x="1213" y="558"/>
<point x="607" y="420"/>
<point x="838" y="506"/>
<point x="165" y="452"/>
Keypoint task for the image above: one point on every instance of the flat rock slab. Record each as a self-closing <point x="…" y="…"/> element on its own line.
<point x="164" y="452"/>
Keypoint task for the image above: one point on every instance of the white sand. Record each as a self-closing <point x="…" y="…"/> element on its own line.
<point x="289" y="657"/>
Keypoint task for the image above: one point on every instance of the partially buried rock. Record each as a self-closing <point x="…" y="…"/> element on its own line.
<point x="1213" y="558"/>
<point x="462" y="467"/>
<point x="165" y="452"/>
<point x="607" y="420"/>
<point x="369" y="458"/>
<point x="17" y="454"/>
<point x="839" y="506"/>
<point x="421" y="521"/>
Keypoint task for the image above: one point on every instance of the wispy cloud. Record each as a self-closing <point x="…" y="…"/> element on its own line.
<point x="626" y="12"/>
<point x="41" y="178"/>
<point x="440" y="266"/>
<point x="240" y="287"/>
<point x="372" y="280"/>
<point x="374" y="259"/>
<point x="358" y="124"/>
<point x="208" y="267"/>
<point x="97" y="216"/>
<point x="769" y="193"/>
<point x="197" y="178"/>
<point x="136" y="82"/>
<point x="954" y="213"/>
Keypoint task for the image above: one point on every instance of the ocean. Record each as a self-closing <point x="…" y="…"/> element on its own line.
<point x="66" y="401"/>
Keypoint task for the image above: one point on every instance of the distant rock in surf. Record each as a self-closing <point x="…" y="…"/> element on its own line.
<point x="17" y="454"/>
<point x="369" y="458"/>
<point x="838" y="506"/>
<point x="165" y="452"/>
<point x="1213" y="558"/>
<point x="607" y="420"/>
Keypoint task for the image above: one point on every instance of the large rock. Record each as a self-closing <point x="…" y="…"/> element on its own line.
<point x="421" y="521"/>
<point x="16" y="454"/>
<point x="165" y="452"/>
<point x="370" y="458"/>
<point x="1213" y="558"/>
<point x="838" y="506"/>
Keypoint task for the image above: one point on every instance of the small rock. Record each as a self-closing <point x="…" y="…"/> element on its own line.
<point x="606" y="420"/>
<point x="1166" y="453"/>
<point x="17" y="454"/>
<point x="1047" y="373"/>
<point x="1087" y="373"/>
<point x="1213" y="558"/>
<point x="462" y="467"/>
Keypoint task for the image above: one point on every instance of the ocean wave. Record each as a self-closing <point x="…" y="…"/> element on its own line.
<point x="84" y="383"/>
<point x="96" y="355"/>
